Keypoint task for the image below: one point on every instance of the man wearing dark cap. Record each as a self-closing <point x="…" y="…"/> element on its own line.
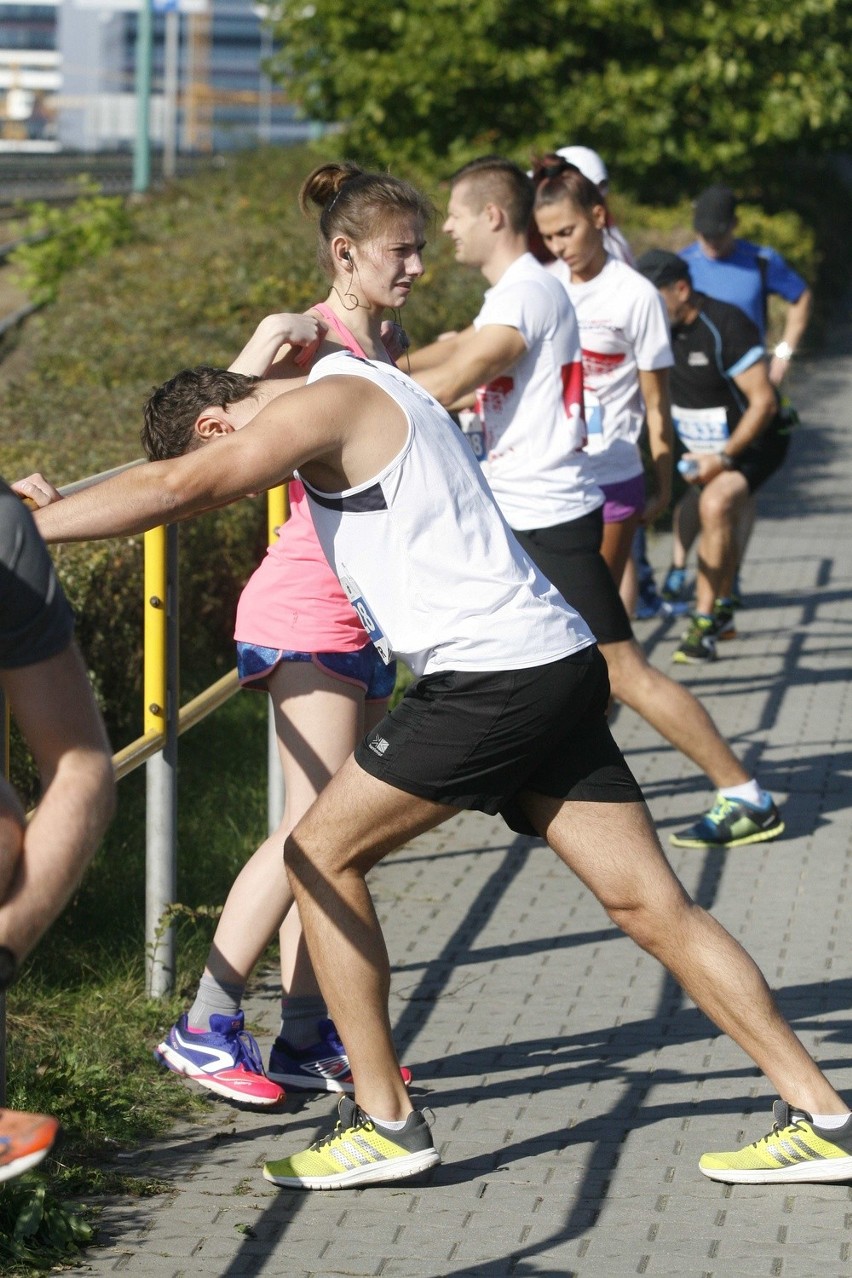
<point x="745" y="274"/>
<point x="725" y="412"/>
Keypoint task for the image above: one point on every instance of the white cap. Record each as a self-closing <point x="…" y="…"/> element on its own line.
<point x="587" y="161"/>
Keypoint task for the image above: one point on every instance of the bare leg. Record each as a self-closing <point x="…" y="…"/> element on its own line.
<point x="56" y="712"/>
<point x="673" y="710"/>
<point x="614" y="850"/>
<point x="721" y="504"/>
<point x="318" y="720"/>
<point x="745" y="527"/>
<point x="685" y="526"/>
<point x="329" y="733"/>
<point x="354" y="823"/>
<point x="615" y="547"/>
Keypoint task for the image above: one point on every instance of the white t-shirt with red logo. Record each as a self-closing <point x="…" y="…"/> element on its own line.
<point x="532" y="417"/>
<point x="623" y="327"/>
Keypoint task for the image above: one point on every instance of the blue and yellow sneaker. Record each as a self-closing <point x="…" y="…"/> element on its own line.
<point x="698" y="643"/>
<point x="795" y="1150"/>
<point x="730" y="823"/>
<point x="358" y="1152"/>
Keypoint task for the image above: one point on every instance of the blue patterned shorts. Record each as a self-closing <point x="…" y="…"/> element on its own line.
<point x="364" y="668"/>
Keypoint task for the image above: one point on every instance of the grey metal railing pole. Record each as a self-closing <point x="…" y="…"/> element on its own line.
<point x="161" y="805"/>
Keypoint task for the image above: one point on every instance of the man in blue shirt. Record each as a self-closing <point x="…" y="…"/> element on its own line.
<point x="737" y="271"/>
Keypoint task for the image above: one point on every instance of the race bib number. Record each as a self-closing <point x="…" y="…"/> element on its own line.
<point x="702" y="430"/>
<point x="365" y="616"/>
<point x="473" y="429"/>
<point x="594" y="423"/>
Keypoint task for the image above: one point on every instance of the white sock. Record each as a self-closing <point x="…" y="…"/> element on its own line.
<point x="395" y="1125"/>
<point x="750" y="792"/>
<point x="829" y="1122"/>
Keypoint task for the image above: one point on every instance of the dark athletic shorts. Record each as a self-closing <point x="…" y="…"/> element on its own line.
<point x="764" y="457"/>
<point x="569" y="555"/>
<point x="35" y="619"/>
<point x="475" y="740"/>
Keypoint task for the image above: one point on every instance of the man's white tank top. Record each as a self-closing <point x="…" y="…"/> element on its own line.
<point x="425" y="555"/>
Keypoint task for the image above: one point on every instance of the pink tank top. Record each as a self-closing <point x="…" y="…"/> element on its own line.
<point x="293" y="600"/>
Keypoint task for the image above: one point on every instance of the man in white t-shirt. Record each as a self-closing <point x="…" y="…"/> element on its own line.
<point x="522" y="375"/>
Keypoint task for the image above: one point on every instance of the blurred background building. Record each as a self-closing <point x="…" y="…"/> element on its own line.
<point x="67" y="76"/>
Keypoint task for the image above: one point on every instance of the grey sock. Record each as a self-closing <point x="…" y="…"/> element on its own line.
<point x="214" y="997"/>
<point x="299" y="1019"/>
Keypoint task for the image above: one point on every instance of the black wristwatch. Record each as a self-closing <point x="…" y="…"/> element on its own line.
<point x="8" y="968"/>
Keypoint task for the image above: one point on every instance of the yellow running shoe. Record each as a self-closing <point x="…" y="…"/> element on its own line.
<point x="358" y="1152"/>
<point x="795" y="1150"/>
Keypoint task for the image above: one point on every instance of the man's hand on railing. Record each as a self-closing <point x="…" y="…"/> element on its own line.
<point x="36" y="491"/>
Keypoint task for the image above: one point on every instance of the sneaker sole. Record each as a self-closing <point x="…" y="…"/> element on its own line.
<point x="176" y="1063"/>
<point x="299" y="1083"/>
<point x="822" y="1170"/>
<point x="681" y="659"/>
<point x="378" y="1173"/>
<point x="18" y="1166"/>
<point x="761" y="836"/>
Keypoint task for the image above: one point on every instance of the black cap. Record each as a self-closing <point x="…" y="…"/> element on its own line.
<point x="715" y="210"/>
<point x="662" y="267"/>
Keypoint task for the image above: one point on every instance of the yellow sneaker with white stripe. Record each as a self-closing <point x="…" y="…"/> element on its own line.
<point x="795" y="1150"/>
<point x="358" y="1152"/>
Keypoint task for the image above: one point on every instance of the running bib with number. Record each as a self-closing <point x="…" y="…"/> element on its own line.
<point x="365" y="616"/>
<point x="473" y="429"/>
<point x="702" y="430"/>
<point x="594" y="423"/>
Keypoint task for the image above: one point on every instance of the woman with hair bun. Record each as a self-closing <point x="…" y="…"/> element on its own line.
<point x="300" y="639"/>
<point x="624" y="335"/>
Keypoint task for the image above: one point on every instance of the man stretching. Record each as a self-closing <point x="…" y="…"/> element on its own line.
<point x="507" y="714"/>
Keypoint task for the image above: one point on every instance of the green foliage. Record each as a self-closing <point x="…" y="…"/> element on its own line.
<point x="673" y="94"/>
<point x="86" y="229"/>
<point x="37" y="1231"/>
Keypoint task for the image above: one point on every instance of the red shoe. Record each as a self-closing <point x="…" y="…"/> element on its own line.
<point x="24" y="1140"/>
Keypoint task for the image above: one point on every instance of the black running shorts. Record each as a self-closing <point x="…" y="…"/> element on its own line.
<point x="475" y="740"/>
<point x="570" y="556"/>
<point x="35" y="619"/>
<point x="762" y="458"/>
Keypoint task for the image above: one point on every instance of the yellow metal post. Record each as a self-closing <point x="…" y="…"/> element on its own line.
<point x="155" y="631"/>
<point x="277" y="512"/>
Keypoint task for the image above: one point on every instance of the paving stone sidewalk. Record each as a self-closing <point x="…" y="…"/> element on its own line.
<point x="573" y="1086"/>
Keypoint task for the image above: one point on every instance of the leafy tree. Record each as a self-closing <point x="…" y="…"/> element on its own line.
<point x="671" y="93"/>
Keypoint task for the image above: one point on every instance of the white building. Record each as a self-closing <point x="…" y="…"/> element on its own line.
<point x="68" y="76"/>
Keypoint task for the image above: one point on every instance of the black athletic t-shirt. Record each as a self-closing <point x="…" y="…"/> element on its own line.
<point x="719" y="344"/>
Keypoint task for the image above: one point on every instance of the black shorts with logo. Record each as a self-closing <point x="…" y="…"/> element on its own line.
<point x="476" y="740"/>
<point x="35" y="619"/>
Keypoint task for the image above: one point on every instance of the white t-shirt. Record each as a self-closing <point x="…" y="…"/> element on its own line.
<point x="623" y="328"/>
<point x="425" y="556"/>
<point x="533" y="416"/>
